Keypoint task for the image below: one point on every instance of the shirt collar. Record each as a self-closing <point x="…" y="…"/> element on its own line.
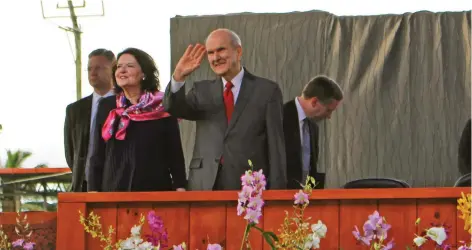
<point x="97" y="97"/>
<point x="237" y="80"/>
<point x="301" y="113"/>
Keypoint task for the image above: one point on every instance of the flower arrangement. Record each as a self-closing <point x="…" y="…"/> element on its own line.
<point x="375" y="233"/>
<point x="209" y="247"/>
<point x="464" y="207"/>
<point x="250" y="205"/>
<point x="134" y="241"/>
<point x="24" y="232"/>
<point x="295" y="231"/>
<point x="93" y="226"/>
<point x="159" y="236"/>
<point x="157" y="240"/>
<point x="437" y="233"/>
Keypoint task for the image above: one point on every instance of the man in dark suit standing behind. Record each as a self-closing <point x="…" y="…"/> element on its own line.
<point x="238" y="116"/>
<point x="80" y="117"/>
<point x="318" y="100"/>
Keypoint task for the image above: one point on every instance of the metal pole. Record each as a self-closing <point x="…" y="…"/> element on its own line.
<point x="78" y="50"/>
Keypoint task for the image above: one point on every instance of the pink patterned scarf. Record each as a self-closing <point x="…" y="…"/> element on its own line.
<point x="149" y="107"/>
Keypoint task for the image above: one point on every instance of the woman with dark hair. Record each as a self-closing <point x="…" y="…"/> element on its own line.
<point x="137" y="144"/>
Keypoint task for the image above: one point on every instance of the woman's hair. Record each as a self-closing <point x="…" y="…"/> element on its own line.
<point x="148" y="66"/>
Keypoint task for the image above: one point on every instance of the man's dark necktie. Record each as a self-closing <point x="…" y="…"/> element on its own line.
<point x="306" y="150"/>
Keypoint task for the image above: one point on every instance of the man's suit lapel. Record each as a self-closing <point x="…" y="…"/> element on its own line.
<point x="243" y="98"/>
<point x="293" y="144"/>
<point x="296" y="143"/>
<point x="294" y="124"/>
<point x="216" y="90"/>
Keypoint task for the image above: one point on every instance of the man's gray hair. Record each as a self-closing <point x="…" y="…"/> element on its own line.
<point x="235" y="40"/>
<point x="323" y="88"/>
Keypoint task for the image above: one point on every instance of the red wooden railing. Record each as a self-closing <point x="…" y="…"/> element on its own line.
<point x="20" y="171"/>
<point x="196" y="216"/>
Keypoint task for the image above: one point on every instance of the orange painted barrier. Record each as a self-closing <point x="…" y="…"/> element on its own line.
<point x="195" y="217"/>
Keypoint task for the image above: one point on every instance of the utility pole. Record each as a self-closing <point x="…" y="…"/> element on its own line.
<point x="73" y="7"/>
<point x="78" y="50"/>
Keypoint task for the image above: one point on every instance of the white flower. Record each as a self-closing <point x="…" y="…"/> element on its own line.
<point x="319" y="229"/>
<point x="136" y="230"/>
<point x="127" y="244"/>
<point x="313" y="241"/>
<point x="133" y="243"/>
<point x="137" y="240"/>
<point x="437" y="234"/>
<point x="308" y="245"/>
<point x="419" y="240"/>
<point x="145" y="246"/>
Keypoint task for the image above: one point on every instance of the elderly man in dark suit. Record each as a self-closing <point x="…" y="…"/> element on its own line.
<point x="238" y="116"/>
<point x="319" y="98"/>
<point x="80" y="117"/>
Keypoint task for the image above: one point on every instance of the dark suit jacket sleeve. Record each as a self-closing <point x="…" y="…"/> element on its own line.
<point x="68" y="145"/>
<point x="464" y="150"/>
<point x="275" y="134"/>
<point x="175" y="154"/>
<point x="182" y="105"/>
<point x="97" y="158"/>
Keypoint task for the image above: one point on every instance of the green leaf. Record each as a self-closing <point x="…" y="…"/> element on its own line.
<point x="269" y="240"/>
<point x="16" y="158"/>
<point x="256" y="227"/>
<point x="250" y="164"/>
<point x="312" y="180"/>
<point x="269" y="237"/>
<point x="272" y="234"/>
